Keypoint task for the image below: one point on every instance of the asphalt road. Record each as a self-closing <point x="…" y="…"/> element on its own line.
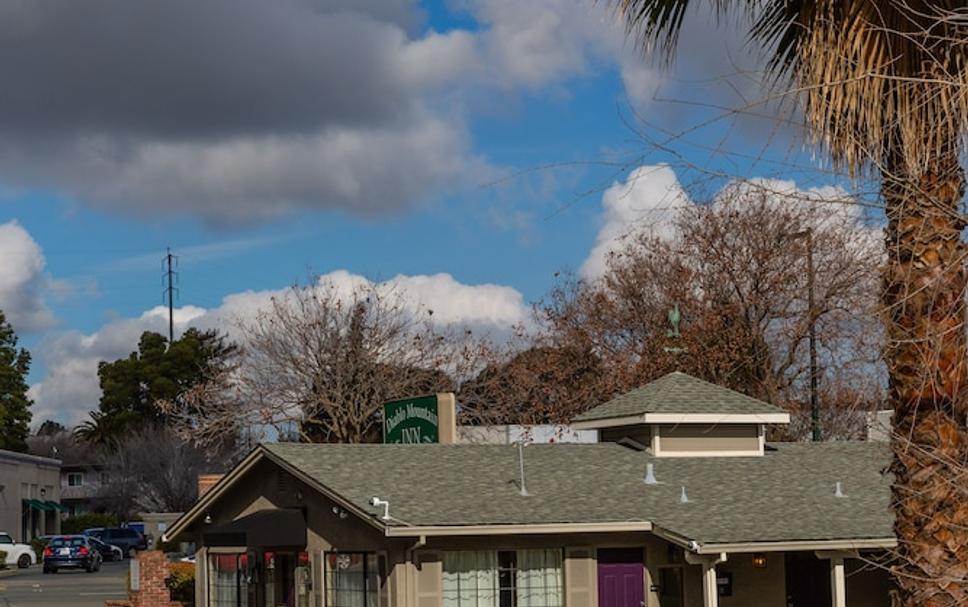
<point x="67" y="588"/>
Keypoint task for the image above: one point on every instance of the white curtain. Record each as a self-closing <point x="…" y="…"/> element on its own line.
<point x="539" y="582"/>
<point x="470" y="579"/>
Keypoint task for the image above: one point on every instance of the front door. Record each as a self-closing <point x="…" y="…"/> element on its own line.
<point x="621" y="578"/>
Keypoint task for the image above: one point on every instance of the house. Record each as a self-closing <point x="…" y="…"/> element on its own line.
<point x="683" y="503"/>
<point x="80" y="486"/>
<point x="29" y="495"/>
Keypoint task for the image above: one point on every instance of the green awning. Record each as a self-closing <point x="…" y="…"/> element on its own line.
<point x="56" y="507"/>
<point x="36" y="504"/>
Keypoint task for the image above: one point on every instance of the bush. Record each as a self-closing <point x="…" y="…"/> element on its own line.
<point x="38" y="545"/>
<point x="3" y="559"/>
<point x="181" y="582"/>
<point x="80" y="522"/>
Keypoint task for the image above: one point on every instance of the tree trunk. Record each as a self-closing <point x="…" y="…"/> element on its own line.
<point x="924" y="297"/>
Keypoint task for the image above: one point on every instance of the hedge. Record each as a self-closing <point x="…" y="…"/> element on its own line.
<point x="181" y="582"/>
<point x="79" y="522"/>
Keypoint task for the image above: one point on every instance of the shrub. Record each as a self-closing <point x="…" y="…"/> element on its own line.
<point x="3" y="559"/>
<point x="38" y="545"/>
<point x="181" y="582"/>
<point x="86" y="520"/>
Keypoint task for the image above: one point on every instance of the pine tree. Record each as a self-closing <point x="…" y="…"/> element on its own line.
<point x="14" y="402"/>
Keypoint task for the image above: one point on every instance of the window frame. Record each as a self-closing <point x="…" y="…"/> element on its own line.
<point x="380" y="558"/>
<point x="78" y="475"/>
<point x="513" y="571"/>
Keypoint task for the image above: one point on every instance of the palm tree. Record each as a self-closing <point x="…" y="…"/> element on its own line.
<point x="884" y="89"/>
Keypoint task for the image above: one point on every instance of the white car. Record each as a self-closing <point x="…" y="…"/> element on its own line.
<point x="21" y="555"/>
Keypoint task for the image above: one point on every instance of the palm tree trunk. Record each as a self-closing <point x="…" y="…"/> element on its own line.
<point x="924" y="297"/>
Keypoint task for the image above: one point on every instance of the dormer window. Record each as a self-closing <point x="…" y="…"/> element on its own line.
<point x="681" y="416"/>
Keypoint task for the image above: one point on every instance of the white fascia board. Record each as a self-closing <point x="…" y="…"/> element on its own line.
<point x="716" y="418"/>
<point x="608" y="422"/>
<point x="778" y="546"/>
<point x="522" y="529"/>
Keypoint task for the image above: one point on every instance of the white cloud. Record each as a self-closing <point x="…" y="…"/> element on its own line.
<point x="22" y="280"/>
<point x="70" y="388"/>
<point x="646" y="201"/>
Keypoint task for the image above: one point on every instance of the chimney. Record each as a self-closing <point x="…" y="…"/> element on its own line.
<point x="206" y="482"/>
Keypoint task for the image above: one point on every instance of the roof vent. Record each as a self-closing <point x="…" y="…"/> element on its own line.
<point x="650" y="475"/>
<point x="524" y="489"/>
<point x="839" y="490"/>
<point x="683" y="498"/>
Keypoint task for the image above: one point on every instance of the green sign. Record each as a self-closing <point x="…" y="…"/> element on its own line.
<point x="412" y="420"/>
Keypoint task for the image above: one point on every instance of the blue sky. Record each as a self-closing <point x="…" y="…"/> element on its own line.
<point x="477" y="141"/>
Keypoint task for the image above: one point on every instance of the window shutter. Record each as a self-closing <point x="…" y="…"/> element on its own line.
<point x="429" y="577"/>
<point x="581" y="578"/>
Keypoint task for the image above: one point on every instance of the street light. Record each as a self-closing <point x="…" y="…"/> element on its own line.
<point x="812" y="329"/>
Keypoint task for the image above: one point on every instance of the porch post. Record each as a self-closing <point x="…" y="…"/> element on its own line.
<point x="710" y="590"/>
<point x="838" y="586"/>
<point x="838" y="580"/>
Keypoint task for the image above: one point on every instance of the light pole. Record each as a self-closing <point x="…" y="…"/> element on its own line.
<point x="812" y="332"/>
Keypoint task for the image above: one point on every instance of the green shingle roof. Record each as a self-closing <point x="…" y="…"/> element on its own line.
<point x="786" y="494"/>
<point x="679" y="393"/>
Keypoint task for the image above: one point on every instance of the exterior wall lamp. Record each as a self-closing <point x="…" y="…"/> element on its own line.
<point x="759" y="560"/>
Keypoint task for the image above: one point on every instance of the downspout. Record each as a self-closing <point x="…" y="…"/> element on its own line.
<point x="410" y="580"/>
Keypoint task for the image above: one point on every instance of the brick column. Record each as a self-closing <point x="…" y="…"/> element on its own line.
<point x="152" y="590"/>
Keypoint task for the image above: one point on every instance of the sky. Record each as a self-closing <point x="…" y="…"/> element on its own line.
<point x="466" y="151"/>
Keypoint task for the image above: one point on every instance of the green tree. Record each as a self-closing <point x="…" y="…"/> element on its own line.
<point x="884" y="88"/>
<point x="131" y="386"/>
<point x="14" y="402"/>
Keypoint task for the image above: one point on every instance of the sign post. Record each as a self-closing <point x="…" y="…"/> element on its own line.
<point x="424" y="419"/>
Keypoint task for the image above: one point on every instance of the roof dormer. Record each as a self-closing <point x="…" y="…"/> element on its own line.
<point x="679" y="415"/>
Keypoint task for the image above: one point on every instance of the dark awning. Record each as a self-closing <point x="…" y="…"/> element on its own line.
<point x="36" y="504"/>
<point x="273" y="528"/>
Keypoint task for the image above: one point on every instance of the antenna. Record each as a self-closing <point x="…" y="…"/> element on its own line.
<point x="524" y="490"/>
<point x="168" y="281"/>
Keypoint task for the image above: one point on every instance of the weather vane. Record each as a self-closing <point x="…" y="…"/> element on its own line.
<point x="675" y="317"/>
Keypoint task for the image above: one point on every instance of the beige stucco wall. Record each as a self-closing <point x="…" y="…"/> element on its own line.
<point x="708" y="437"/>
<point x="28" y="477"/>
<point x="753" y="587"/>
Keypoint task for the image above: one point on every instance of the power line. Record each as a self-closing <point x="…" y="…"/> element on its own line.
<point x="168" y="280"/>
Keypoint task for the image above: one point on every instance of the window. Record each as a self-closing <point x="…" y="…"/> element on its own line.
<point x="227" y="584"/>
<point x="75" y="479"/>
<point x="506" y="578"/>
<point x="5" y="539"/>
<point x="352" y="579"/>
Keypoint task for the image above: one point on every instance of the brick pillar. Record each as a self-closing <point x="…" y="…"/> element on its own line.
<point x="152" y="590"/>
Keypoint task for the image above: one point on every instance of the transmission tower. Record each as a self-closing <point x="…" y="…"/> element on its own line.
<point x="169" y="281"/>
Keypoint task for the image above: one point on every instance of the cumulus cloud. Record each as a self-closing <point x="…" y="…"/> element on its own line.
<point x="647" y="201"/>
<point x="70" y="388"/>
<point x="22" y="280"/>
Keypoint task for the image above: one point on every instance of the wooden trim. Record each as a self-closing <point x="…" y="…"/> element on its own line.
<point x="524" y="529"/>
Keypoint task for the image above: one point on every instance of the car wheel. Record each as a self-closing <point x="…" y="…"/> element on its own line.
<point x="24" y="561"/>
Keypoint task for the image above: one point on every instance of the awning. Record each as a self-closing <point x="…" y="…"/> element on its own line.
<point x="36" y="504"/>
<point x="55" y="506"/>
<point x="272" y="528"/>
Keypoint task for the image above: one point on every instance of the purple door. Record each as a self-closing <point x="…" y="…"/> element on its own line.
<point x="621" y="578"/>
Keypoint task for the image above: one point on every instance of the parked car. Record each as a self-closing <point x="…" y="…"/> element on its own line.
<point x="109" y="552"/>
<point x="128" y="540"/>
<point x="21" y="555"/>
<point x="71" y="552"/>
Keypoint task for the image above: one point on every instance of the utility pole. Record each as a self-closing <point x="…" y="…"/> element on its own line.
<point x="812" y="336"/>
<point x="170" y="261"/>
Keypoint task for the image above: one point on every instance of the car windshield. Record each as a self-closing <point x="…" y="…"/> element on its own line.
<point x="67" y="541"/>
<point x="5" y="539"/>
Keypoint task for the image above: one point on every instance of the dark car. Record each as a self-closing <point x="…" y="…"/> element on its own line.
<point x="128" y="540"/>
<point x="71" y="552"/>
<point x="108" y="552"/>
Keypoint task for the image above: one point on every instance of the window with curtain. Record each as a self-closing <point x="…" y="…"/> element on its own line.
<point x="227" y="586"/>
<point x="504" y="578"/>
<point x="352" y="579"/>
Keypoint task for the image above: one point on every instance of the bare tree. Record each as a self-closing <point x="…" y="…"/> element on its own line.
<point x="152" y="470"/>
<point x="320" y="361"/>
<point x="737" y="270"/>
